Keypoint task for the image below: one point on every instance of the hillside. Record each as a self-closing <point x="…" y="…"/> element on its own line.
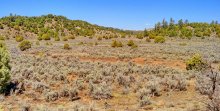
<point x="52" y="26"/>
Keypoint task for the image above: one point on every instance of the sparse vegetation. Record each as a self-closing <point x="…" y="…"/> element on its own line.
<point x="150" y="77"/>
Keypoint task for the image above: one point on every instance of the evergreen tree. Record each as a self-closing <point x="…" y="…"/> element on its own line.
<point x="146" y="33"/>
<point x="157" y="26"/>
<point x="172" y="22"/>
<point x="180" y="23"/>
<point x="164" y="23"/>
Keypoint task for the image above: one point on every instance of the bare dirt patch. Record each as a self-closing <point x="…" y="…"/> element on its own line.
<point x="141" y="61"/>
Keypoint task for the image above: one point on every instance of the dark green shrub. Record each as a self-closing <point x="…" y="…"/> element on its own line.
<point x="1" y="26"/>
<point x="16" y="27"/>
<point x="148" y="40"/>
<point x="46" y="37"/>
<point x="152" y="36"/>
<point x="116" y="44"/>
<point x="39" y="38"/>
<point x="196" y="63"/>
<point x="71" y="37"/>
<point x="2" y="37"/>
<point x="207" y="33"/>
<point x="96" y="43"/>
<point x="57" y="39"/>
<point x="24" y="45"/>
<point x="130" y="43"/>
<point x="159" y="39"/>
<point x="90" y="37"/>
<point x="66" y="46"/>
<point x="19" y="38"/>
<point x="120" y="44"/>
<point x="65" y="39"/>
<point x="99" y="38"/>
<point x="173" y="33"/>
<point x="81" y="43"/>
<point x="218" y="35"/>
<point x="198" y="34"/>
<point x="140" y="36"/>
<point x="4" y="67"/>
<point x="134" y="46"/>
<point x="123" y="35"/>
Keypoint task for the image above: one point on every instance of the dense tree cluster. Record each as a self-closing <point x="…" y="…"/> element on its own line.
<point x="183" y="29"/>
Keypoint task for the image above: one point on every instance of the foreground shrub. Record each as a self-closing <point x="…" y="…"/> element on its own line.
<point x="24" y="45"/>
<point x="159" y="39"/>
<point x="196" y="63"/>
<point x="207" y="83"/>
<point x="19" y="38"/>
<point x="4" y="67"/>
<point x="66" y="46"/>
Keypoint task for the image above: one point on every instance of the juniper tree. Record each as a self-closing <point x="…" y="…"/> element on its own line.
<point x="4" y="67"/>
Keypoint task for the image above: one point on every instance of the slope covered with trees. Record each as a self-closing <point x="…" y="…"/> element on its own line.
<point x="52" y="26"/>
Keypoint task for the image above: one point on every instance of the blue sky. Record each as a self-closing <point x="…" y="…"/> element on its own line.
<point x="124" y="14"/>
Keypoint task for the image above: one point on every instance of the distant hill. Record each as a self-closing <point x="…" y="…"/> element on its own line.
<point x="52" y="26"/>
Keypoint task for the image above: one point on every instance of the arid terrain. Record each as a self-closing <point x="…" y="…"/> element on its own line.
<point x="84" y="67"/>
<point x="106" y="78"/>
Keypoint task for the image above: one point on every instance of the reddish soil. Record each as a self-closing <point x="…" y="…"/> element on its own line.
<point x="180" y="64"/>
<point x="169" y="63"/>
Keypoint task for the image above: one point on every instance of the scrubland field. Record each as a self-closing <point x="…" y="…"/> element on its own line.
<point x="109" y="74"/>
